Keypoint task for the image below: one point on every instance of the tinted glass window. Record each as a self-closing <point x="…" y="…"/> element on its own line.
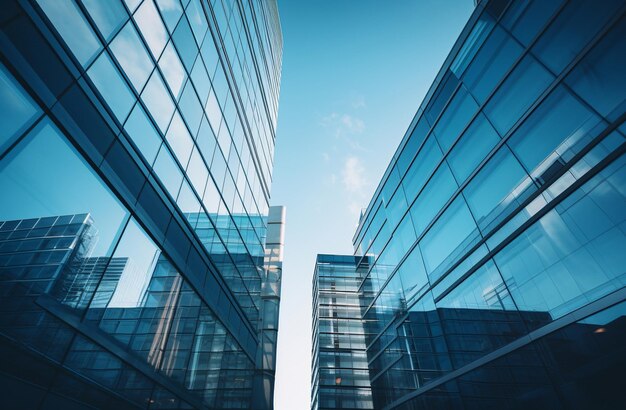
<point x="573" y="28"/>
<point x="108" y="15"/>
<point x="71" y="24"/>
<point x="560" y="120"/>
<point x="112" y="86"/>
<point x="129" y="51"/>
<point x="472" y="148"/>
<point x="599" y="77"/>
<point x="456" y="116"/>
<point x="493" y="60"/>
<point x="493" y="186"/>
<point x="17" y="110"/>
<point x="517" y="93"/>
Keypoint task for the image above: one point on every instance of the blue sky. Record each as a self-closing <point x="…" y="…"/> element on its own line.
<point x="354" y="74"/>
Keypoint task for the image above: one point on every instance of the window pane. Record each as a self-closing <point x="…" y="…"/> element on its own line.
<point x="158" y="101"/>
<point x="559" y="120"/>
<point x="17" y="110"/>
<point x="143" y="133"/>
<point x="171" y="12"/>
<point x="524" y="19"/>
<point x="599" y="77"/>
<point x="472" y="148"/>
<point x="573" y="28"/>
<point x="152" y="28"/>
<point x="434" y="196"/>
<point x="185" y="43"/>
<point x="112" y="86"/>
<point x="422" y="167"/>
<point x="197" y="172"/>
<point x="517" y="93"/>
<point x="172" y="69"/>
<point x="491" y="63"/>
<point x="455" y="118"/>
<point x="190" y="108"/>
<point x="492" y="186"/>
<point x="168" y="171"/>
<point x="129" y="51"/>
<point x="453" y="232"/>
<point x="413" y="144"/>
<point x="575" y="253"/>
<point x="108" y="15"/>
<point x="71" y="24"/>
<point x="34" y="185"/>
<point x="179" y="139"/>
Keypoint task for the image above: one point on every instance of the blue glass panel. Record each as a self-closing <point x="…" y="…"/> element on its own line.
<point x="452" y="233"/>
<point x="108" y="15"/>
<point x="35" y="186"/>
<point x="172" y="69"/>
<point x="493" y="60"/>
<point x="517" y="93"/>
<point x="168" y="171"/>
<point x="472" y="148"/>
<point x="559" y="120"/>
<point x="171" y="12"/>
<point x="143" y="133"/>
<point x="158" y="101"/>
<point x="112" y="86"/>
<point x="190" y="108"/>
<point x="524" y="19"/>
<point x="441" y="96"/>
<point x="129" y="51"/>
<point x="17" y="110"/>
<point x="413" y="276"/>
<point x="179" y="139"/>
<point x="195" y="14"/>
<point x="575" y="253"/>
<point x="573" y="28"/>
<point x="454" y="119"/>
<point x="421" y="168"/>
<point x="201" y="81"/>
<point x="152" y="28"/>
<point x="185" y="43"/>
<point x="599" y="77"/>
<point x="484" y="289"/>
<point x="474" y="40"/>
<point x="493" y="186"/>
<point x="71" y="24"/>
<point x="434" y="196"/>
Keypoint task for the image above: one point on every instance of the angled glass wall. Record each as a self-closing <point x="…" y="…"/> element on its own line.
<point x="135" y="166"/>
<point x="495" y="240"/>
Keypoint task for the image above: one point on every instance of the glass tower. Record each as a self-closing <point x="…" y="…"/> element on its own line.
<point x="495" y="243"/>
<point x="340" y="377"/>
<point x="136" y="154"/>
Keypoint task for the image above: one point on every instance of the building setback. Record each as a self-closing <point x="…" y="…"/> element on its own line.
<point x="495" y="244"/>
<point x="136" y="157"/>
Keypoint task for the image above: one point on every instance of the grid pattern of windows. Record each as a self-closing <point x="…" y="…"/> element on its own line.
<point x="503" y="211"/>
<point x="135" y="166"/>
<point x="340" y="377"/>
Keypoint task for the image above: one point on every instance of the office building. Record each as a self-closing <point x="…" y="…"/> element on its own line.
<point x="136" y="158"/>
<point x="496" y="238"/>
<point x="340" y="376"/>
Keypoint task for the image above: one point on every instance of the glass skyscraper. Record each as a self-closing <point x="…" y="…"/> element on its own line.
<point x="138" y="250"/>
<point x="495" y="244"/>
<point x="340" y="378"/>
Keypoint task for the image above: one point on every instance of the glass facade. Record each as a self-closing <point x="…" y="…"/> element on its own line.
<point x="340" y="377"/>
<point x="494" y="246"/>
<point x="136" y="236"/>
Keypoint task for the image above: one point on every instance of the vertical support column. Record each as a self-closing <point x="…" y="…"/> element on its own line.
<point x="263" y="384"/>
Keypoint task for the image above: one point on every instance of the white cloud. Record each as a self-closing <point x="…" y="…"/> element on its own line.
<point x="359" y="102"/>
<point x="353" y="175"/>
<point x="352" y="124"/>
<point x="343" y="124"/>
